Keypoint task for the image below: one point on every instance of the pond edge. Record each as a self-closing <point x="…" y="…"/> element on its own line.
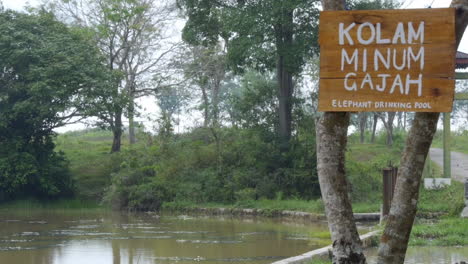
<point x="368" y="240"/>
<point x="305" y="216"/>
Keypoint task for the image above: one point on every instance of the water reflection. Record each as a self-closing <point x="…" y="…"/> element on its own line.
<point x="434" y="255"/>
<point x="69" y="237"/>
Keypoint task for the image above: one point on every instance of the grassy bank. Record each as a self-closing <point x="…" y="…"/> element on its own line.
<point x="91" y="163"/>
<point x="432" y="203"/>
<point x="92" y="167"/>
<point x="450" y="231"/>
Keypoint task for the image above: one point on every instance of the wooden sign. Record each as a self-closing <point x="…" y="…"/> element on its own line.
<point x="387" y="60"/>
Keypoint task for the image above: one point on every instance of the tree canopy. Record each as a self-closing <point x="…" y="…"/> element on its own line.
<point x="255" y="31"/>
<point x="48" y="73"/>
<point x="263" y="35"/>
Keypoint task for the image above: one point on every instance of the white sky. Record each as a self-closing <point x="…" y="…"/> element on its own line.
<point x="149" y="112"/>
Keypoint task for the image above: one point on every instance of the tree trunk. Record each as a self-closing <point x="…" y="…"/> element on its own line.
<point x="404" y="121"/>
<point x="284" y="42"/>
<point x="388" y="124"/>
<point x="394" y="241"/>
<point x="362" y="125"/>
<point x="215" y="102"/>
<point x="374" y="127"/>
<point x="332" y="130"/>
<point x="131" y="121"/>
<point x="206" y="109"/>
<point x="331" y="138"/>
<point x="117" y="132"/>
<point x="391" y="118"/>
<point x="284" y="102"/>
<point x="390" y="136"/>
<point x="399" y="120"/>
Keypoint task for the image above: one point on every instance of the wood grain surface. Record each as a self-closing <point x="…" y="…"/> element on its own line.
<point x="378" y="46"/>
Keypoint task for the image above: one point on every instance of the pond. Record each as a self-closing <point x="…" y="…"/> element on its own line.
<point x="434" y="255"/>
<point x="96" y="236"/>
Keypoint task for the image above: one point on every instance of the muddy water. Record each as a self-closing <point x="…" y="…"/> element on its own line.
<point x="88" y="237"/>
<point x="433" y="255"/>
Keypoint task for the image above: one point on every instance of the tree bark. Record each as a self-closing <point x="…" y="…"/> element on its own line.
<point x="374" y="127"/>
<point x="206" y="106"/>
<point x="404" y="121"/>
<point x="394" y="240"/>
<point x="332" y="131"/>
<point x="284" y="103"/>
<point x="131" y="121"/>
<point x="389" y="126"/>
<point x="362" y="125"/>
<point x="400" y="120"/>
<point x="117" y="132"/>
<point x="284" y="42"/>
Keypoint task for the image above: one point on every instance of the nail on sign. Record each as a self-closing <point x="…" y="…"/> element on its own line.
<point x="387" y="60"/>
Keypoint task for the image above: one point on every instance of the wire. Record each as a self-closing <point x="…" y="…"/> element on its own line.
<point x="430" y="6"/>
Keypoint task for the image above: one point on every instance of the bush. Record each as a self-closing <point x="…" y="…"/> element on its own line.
<point x="34" y="170"/>
<point x="246" y="165"/>
<point x="246" y="194"/>
<point x="365" y="181"/>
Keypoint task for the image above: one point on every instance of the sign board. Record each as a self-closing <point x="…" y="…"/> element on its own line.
<point x="387" y="60"/>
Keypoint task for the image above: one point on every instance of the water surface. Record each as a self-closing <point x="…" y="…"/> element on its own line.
<point x="78" y="237"/>
<point x="433" y="255"/>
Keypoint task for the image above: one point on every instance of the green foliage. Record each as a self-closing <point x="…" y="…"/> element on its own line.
<point x="33" y="170"/>
<point x="373" y="4"/>
<point x="34" y="204"/>
<point x="188" y="167"/>
<point x="257" y="31"/>
<point x="229" y="165"/>
<point x="131" y="190"/>
<point x="181" y="172"/>
<point x="253" y="103"/>
<point x="47" y="73"/>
